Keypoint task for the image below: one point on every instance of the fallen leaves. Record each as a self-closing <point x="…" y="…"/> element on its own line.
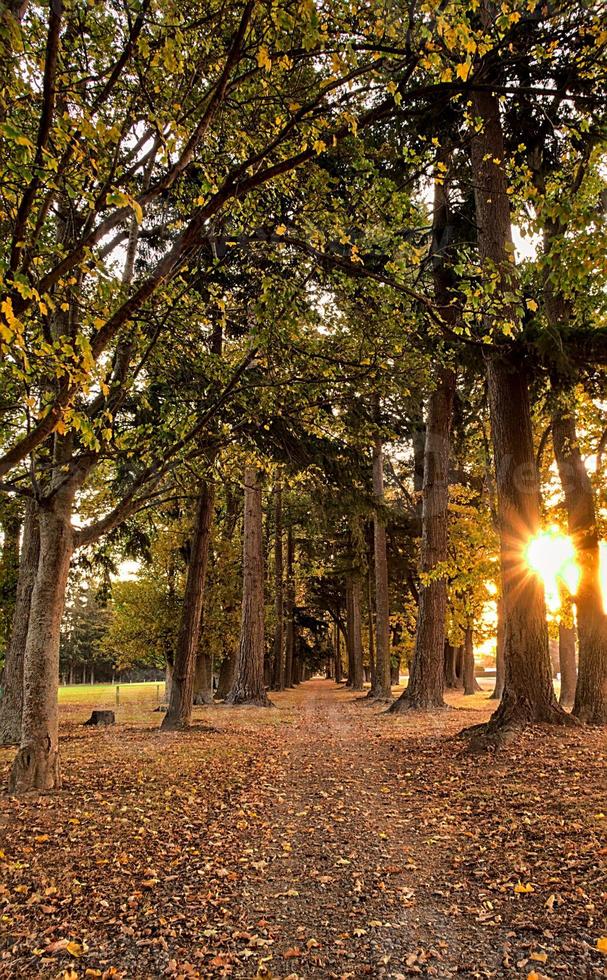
<point x="225" y="857"/>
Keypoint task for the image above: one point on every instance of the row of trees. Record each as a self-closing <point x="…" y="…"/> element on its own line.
<point x="220" y="257"/>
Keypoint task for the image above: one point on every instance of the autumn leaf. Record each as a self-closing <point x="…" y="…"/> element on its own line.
<point x="293" y="953"/>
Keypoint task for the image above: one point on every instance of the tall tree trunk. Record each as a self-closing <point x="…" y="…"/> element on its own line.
<point x="567" y="665"/>
<point x="11" y="705"/>
<point x="355" y="633"/>
<point x="248" y="684"/>
<point x="382" y="689"/>
<point x="500" y="667"/>
<point x="426" y="679"/>
<point x="36" y="766"/>
<point x="179" y="714"/>
<point x="338" y="663"/>
<point x="451" y="678"/>
<point x="226" y="677"/>
<point x="168" y="680"/>
<point x="371" y="633"/>
<point x="203" y="680"/>
<point x="278" y="664"/>
<point x="468" y="672"/>
<point x="591" y="692"/>
<point x="290" y="609"/>
<point x="528" y="692"/>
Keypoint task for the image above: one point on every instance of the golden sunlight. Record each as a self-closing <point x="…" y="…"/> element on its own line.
<point x="552" y="556"/>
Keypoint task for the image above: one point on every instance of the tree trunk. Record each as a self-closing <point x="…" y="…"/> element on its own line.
<point x="382" y="689"/>
<point x="168" y="681"/>
<point x="426" y="679"/>
<point x="371" y="634"/>
<point x="226" y="677"/>
<point x="451" y="678"/>
<point x="203" y="680"/>
<point x="278" y="664"/>
<point x="355" y="650"/>
<point x="290" y="610"/>
<point x="338" y="663"/>
<point x="498" y="690"/>
<point x="468" y="672"/>
<point x="459" y="665"/>
<point x="528" y="692"/>
<point x="11" y="705"/>
<point x="179" y="714"/>
<point x="591" y="692"/>
<point x="36" y="766"/>
<point x="567" y="665"/>
<point x="425" y="688"/>
<point x="248" y="686"/>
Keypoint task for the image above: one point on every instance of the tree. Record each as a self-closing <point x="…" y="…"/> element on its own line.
<point x="179" y="712"/>
<point x="248" y="681"/>
<point x="382" y="688"/>
<point x="528" y="693"/>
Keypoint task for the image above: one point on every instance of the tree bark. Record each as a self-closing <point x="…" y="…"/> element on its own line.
<point x="528" y="692"/>
<point x="290" y="609"/>
<point x="338" y="663"/>
<point x="278" y="664"/>
<point x="567" y="665"/>
<point x="203" y="680"/>
<point x="226" y="677"/>
<point x="469" y="676"/>
<point x="451" y="678"/>
<point x="426" y="679"/>
<point x="248" y="684"/>
<point x="371" y="633"/>
<point x="500" y="667"/>
<point x="36" y="766"/>
<point x="179" y="714"/>
<point x="382" y="689"/>
<point x="355" y="648"/>
<point x="591" y="692"/>
<point x="11" y="705"/>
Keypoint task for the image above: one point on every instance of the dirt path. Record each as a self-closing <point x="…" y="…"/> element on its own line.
<point x="321" y="838"/>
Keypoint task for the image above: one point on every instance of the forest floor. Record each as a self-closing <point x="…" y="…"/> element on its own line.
<point x="318" y="838"/>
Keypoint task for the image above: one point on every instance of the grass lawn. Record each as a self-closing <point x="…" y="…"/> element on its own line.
<point x="135" y="701"/>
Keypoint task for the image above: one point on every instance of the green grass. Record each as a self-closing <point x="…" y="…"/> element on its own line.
<point x="104" y="695"/>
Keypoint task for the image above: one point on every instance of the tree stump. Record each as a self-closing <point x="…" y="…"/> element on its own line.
<point x="101" y="718"/>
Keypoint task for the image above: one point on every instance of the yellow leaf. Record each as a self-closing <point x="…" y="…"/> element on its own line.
<point x="75" y="949"/>
<point x="263" y="59"/>
<point x="531" y="305"/>
<point x="137" y="209"/>
<point x="60" y="429"/>
<point x="280" y="229"/>
<point x="521" y="889"/>
<point x="539" y="957"/>
<point x="463" y="70"/>
<point x="601" y="944"/>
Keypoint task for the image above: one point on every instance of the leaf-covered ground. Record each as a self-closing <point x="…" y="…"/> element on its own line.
<point x="319" y="838"/>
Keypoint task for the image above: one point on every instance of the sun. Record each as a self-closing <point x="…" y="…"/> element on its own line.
<point x="551" y="555"/>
